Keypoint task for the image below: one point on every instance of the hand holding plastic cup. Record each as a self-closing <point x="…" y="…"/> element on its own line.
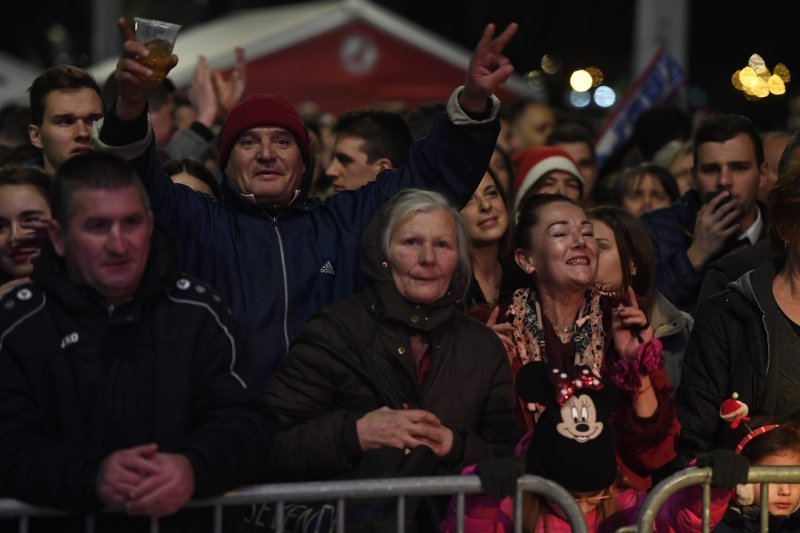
<point x="159" y="38"/>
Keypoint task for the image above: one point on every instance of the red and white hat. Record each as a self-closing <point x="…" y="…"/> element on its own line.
<point x="532" y="164"/>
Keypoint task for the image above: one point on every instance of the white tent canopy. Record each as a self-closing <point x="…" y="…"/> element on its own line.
<point x="15" y="78"/>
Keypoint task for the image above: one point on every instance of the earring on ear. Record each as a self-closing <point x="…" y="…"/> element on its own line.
<point x="786" y="245"/>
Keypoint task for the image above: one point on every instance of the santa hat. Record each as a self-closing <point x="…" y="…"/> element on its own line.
<point x="532" y="164"/>
<point x="733" y="411"/>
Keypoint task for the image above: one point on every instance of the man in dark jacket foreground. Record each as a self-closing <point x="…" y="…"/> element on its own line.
<point x="276" y="256"/>
<point x="121" y="381"/>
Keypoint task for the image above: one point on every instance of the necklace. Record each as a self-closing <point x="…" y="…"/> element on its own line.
<point x="564" y="332"/>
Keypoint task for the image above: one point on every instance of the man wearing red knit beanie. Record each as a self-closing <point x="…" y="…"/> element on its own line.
<point x="276" y="256"/>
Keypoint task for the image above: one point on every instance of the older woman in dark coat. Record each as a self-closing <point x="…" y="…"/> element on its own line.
<point x="397" y="368"/>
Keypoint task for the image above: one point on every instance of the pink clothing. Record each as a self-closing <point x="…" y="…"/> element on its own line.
<point x="680" y="514"/>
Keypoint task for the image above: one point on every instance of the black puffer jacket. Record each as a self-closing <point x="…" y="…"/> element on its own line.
<point x="80" y="380"/>
<point x="318" y="398"/>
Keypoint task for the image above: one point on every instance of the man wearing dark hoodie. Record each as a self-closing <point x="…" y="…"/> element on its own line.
<point x="275" y="255"/>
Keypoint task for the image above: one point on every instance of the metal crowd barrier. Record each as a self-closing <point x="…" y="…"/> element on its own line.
<point x="659" y="494"/>
<point x="340" y="491"/>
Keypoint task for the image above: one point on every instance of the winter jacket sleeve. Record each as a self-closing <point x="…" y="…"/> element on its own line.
<point x="34" y="468"/>
<point x="318" y="440"/>
<point x="185" y="211"/>
<point x="499" y="428"/>
<point x="233" y="426"/>
<point x="647" y="444"/>
<point x="705" y="380"/>
<point x="190" y="142"/>
<point x="451" y="159"/>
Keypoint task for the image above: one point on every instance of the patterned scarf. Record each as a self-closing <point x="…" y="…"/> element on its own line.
<point x="525" y="315"/>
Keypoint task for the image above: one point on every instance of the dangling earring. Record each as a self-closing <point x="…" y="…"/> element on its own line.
<point x="786" y="245"/>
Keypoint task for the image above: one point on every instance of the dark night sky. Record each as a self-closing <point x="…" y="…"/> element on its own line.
<point x="723" y="35"/>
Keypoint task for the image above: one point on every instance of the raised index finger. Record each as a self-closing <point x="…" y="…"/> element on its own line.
<point x="502" y="40"/>
<point x="632" y="298"/>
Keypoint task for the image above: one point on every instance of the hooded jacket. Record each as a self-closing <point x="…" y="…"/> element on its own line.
<point x="318" y="399"/>
<point x="741" y="343"/>
<point x="80" y="380"/>
<point x="277" y="268"/>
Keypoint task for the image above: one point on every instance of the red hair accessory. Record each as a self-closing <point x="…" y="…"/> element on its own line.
<point x="753" y="434"/>
<point x="566" y="388"/>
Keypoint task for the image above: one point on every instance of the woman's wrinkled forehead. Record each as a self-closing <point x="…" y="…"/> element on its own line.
<point x="559" y="213"/>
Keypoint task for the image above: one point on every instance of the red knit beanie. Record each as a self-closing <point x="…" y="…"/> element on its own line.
<point x="262" y="110"/>
<point x="533" y="163"/>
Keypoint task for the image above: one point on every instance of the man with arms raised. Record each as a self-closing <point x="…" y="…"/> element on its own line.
<point x="275" y="255"/>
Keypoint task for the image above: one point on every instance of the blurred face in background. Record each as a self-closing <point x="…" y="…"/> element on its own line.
<point x="681" y="170"/>
<point x="24" y="213"/>
<point x="609" y="268"/>
<point x="644" y="193"/>
<point x="485" y="214"/>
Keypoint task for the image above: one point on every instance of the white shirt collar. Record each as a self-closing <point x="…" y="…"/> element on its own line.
<point x="754" y="231"/>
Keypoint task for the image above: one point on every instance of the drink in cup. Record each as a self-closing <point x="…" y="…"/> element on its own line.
<point x="159" y="38"/>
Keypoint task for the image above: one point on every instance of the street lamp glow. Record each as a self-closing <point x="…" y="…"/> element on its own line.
<point x="580" y="81"/>
<point x="604" y="96"/>
<point x="579" y="98"/>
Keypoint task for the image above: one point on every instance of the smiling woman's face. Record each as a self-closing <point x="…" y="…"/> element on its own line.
<point x="20" y="246"/>
<point x="563" y="251"/>
<point x="485" y="215"/>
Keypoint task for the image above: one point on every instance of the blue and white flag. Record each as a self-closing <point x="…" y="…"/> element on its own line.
<point x="657" y="83"/>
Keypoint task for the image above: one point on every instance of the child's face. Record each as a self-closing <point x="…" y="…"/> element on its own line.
<point x="588" y="501"/>
<point x="784" y="498"/>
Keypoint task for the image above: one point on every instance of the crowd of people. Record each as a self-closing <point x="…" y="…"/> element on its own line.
<point x="202" y="290"/>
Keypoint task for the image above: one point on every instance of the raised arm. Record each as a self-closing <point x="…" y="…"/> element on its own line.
<point x="133" y="78"/>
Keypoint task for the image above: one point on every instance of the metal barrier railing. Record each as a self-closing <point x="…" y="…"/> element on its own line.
<point x="659" y="494"/>
<point x="340" y="491"/>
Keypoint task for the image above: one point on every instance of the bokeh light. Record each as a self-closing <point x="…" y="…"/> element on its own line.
<point x="776" y="85"/>
<point x="756" y="81"/>
<point x="761" y="89"/>
<point x="604" y="96"/>
<point x="596" y="74"/>
<point x="551" y="63"/>
<point x="535" y="80"/>
<point x="580" y="81"/>
<point x="783" y="73"/>
<point x="748" y="77"/>
<point x="737" y="83"/>
<point x="579" y="98"/>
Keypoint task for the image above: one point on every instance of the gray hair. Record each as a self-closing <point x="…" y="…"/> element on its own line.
<point x="408" y="203"/>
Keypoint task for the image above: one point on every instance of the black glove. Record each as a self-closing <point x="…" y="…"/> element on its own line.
<point x="728" y="468"/>
<point x="499" y="476"/>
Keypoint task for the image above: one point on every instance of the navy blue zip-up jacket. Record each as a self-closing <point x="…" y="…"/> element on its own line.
<point x="277" y="270"/>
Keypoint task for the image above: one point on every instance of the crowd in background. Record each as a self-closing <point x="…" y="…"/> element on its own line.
<point x="391" y="292"/>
